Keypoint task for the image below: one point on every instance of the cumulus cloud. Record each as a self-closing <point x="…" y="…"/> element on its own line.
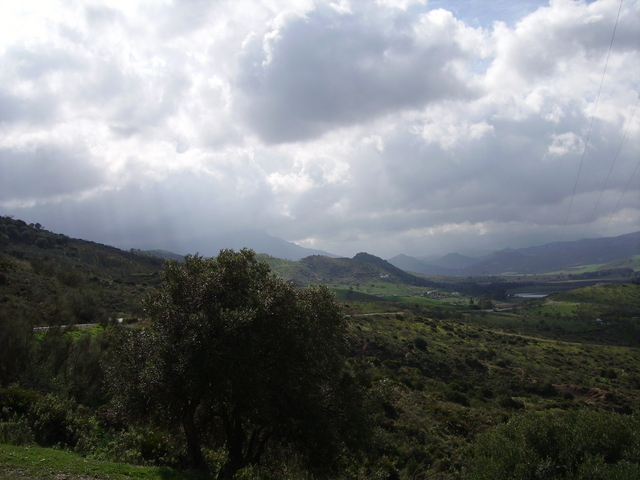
<point x="331" y="68"/>
<point x="389" y="126"/>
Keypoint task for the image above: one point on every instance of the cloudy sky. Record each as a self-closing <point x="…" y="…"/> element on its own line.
<point x="388" y="126"/>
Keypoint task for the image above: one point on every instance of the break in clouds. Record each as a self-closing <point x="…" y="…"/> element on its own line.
<point x="389" y="126"/>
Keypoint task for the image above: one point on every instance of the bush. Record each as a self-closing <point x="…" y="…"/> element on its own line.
<point x="569" y="445"/>
<point x="16" y="431"/>
<point x="511" y="403"/>
<point x="15" y="400"/>
<point x="139" y="446"/>
<point x="69" y="277"/>
<point x="420" y="343"/>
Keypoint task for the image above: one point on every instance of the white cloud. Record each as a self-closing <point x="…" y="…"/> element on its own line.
<point x="564" y="143"/>
<point x="401" y="4"/>
<point x="330" y="69"/>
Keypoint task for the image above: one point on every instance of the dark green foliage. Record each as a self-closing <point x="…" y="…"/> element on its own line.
<point x="86" y="305"/>
<point x="16" y="344"/>
<point x="385" y="266"/>
<point x="47" y="419"/>
<point x="234" y="354"/>
<point x="572" y="445"/>
<point x="74" y="277"/>
<point x="420" y="343"/>
<point x="485" y="303"/>
<point x="510" y="403"/>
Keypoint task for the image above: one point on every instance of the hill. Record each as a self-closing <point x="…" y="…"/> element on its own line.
<point x="362" y="268"/>
<point x="392" y="270"/>
<point x="50" y="278"/>
<point x="439" y="370"/>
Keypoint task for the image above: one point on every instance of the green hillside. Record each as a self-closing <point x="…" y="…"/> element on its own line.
<point x="443" y="377"/>
<point x="53" y="279"/>
<point x="624" y="296"/>
<point x="363" y="268"/>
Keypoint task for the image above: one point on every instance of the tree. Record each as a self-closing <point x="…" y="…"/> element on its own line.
<point x="237" y="357"/>
<point x="485" y="303"/>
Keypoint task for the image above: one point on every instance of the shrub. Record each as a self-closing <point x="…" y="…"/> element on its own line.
<point x="16" y="431"/>
<point x="511" y="403"/>
<point x="420" y="343"/>
<point x="57" y="421"/>
<point x="569" y="445"/>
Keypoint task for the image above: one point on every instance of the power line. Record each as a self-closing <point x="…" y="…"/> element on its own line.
<point x="618" y="204"/>
<point x="593" y="116"/>
<point x="611" y="169"/>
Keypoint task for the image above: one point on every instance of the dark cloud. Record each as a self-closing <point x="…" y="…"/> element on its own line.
<point x="158" y="215"/>
<point x="329" y="69"/>
<point x="45" y="171"/>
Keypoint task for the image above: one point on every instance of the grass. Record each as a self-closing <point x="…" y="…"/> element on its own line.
<point x="611" y="294"/>
<point x="47" y="463"/>
<point x="419" y="300"/>
<point x="389" y="289"/>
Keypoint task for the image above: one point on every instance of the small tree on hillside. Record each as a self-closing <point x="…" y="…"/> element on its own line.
<point x="235" y="356"/>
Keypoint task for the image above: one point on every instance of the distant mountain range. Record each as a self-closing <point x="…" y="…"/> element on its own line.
<point x="539" y="259"/>
<point x="257" y="240"/>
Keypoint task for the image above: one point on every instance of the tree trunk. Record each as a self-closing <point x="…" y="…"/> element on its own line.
<point x="235" y="438"/>
<point x="194" y="453"/>
<point x="228" y="470"/>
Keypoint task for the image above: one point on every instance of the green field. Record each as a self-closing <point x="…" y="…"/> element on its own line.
<point x="26" y="462"/>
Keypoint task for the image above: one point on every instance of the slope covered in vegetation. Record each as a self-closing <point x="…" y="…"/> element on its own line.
<point x="444" y="378"/>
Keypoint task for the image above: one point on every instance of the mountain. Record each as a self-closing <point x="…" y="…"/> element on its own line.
<point x="257" y="240"/>
<point x="411" y="264"/>
<point x="391" y="269"/>
<point x="363" y="268"/>
<point x="454" y="260"/>
<point x="558" y="255"/>
<point x="539" y="259"/>
<point x="164" y="254"/>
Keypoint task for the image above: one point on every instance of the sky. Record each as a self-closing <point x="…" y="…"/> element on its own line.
<point x="385" y="126"/>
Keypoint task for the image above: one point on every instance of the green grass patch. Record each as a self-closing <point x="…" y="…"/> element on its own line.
<point x="418" y="300"/>
<point x="38" y="462"/>
<point x="613" y="294"/>
<point x="344" y="294"/>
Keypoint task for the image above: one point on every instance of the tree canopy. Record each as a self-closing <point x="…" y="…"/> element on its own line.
<point x="234" y="357"/>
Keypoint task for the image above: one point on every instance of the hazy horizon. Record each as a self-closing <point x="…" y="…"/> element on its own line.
<point x="394" y="126"/>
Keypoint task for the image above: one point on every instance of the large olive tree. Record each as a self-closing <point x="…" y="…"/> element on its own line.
<point x="236" y="357"/>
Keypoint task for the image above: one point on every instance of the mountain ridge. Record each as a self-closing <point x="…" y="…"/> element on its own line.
<point x="257" y="240"/>
<point x="528" y="260"/>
